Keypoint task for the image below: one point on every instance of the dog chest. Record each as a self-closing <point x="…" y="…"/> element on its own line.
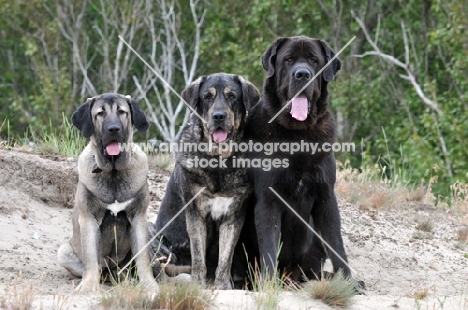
<point x="219" y="206"/>
<point x="116" y="207"/>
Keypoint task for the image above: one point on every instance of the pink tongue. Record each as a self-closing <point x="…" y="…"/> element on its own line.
<point x="113" y="148"/>
<point x="219" y="135"/>
<point x="299" y="108"/>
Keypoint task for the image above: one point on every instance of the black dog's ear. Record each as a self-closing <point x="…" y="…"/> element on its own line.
<point x="250" y="93"/>
<point x="269" y="57"/>
<point x="138" y="116"/>
<point x="191" y="93"/>
<point x="330" y="71"/>
<point x="83" y="120"/>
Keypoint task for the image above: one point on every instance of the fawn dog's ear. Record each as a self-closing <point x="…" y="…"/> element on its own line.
<point x="138" y="116"/>
<point x="82" y="118"/>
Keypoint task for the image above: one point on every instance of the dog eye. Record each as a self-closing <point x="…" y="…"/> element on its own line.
<point x="100" y="113"/>
<point x="122" y="111"/>
<point x="289" y="59"/>
<point x="207" y="96"/>
<point x="231" y="96"/>
<point x="313" y="60"/>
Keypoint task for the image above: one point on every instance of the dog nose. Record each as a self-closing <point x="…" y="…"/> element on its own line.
<point x="113" y="128"/>
<point x="302" y="75"/>
<point x="219" y="116"/>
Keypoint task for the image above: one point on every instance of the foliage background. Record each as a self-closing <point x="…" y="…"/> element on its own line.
<point x="373" y="105"/>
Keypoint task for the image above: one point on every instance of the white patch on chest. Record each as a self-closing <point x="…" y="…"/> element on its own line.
<point x="219" y="206"/>
<point x="116" y="207"/>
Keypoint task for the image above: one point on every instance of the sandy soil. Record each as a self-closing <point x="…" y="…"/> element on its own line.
<point x="384" y="247"/>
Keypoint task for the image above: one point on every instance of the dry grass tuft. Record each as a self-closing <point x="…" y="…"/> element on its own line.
<point x="424" y="227"/>
<point x="186" y="295"/>
<point x="462" y="234"/>
<point x="371" y="189"/>
<point x="424" y="224"/>
<point x="421" y="235"/>
<point x="337" y="291"/>
<point x="165" y="161"/>
<point x="172" y="296"/>
<point x="269" y="288"/>
<point x="459" y="199"/>
<point x="420" y="293"/>
<point x="459" y="194"/>
<point x="16" y="296"/>
<point x="462" y="238"/>
<point x="128" y="295"/>
<point x="61" y="302"/>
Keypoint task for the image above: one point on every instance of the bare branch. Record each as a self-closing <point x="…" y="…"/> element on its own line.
<point x="432" y="104"/>
<point x="161" y="127"/>
<point x="170" y="56"/>
<point x="405" y="41"/>
<point x="389" y="58"/>
<point x="377" y="31"/>
<point x="448" y="164"/>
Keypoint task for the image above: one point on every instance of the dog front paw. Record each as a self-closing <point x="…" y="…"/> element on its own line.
<point x="151" y="286"/>
<point x="199" y="275"/>
<point x="87" y="285"/>
<point x="223" y="284"/>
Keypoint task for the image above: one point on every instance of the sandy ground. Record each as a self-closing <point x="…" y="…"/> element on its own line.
<point x="36" y="193"/>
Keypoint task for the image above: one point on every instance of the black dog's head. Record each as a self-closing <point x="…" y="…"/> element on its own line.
<point x="108" y="120"/>
<point x="223" y="100"/>
<point x="291" y="63"/>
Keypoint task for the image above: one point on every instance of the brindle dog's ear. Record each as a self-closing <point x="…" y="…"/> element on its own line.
<point x="330" y="72"/>
<point x="269" y="57"/>
<point x="191" y="93"/>
<point x="250" y="93"/>
<point x="138" y="116"/>
<point x="83" y="120"/>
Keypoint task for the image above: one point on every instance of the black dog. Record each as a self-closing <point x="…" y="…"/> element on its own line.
<point x="208" y="232"/>
<point x="307" y="184"/>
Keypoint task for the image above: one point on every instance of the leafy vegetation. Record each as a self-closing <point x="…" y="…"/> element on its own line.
<point x="41" y="78"/>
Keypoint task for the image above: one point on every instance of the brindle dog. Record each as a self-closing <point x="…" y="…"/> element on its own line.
<point x="212" y="223"/>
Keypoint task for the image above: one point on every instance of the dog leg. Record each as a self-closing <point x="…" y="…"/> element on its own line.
<point x="196" y="228"/>
<point x="327" y="221"/>
<point x="138" y="236"/>
<point x="67" y="258"/>
<point x="268" y="226"/>
<point x="229" y="233"/>
<point x="90" y="236"/>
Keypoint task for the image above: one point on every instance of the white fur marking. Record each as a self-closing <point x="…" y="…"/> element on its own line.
<point x="219" y="206"/>
<point x="116" y="207"/>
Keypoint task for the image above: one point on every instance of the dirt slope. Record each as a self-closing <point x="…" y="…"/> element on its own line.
<point x="384" y="247"/>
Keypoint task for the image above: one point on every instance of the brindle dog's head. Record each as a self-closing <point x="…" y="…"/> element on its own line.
<point x="290" y="64"/>
<point x="108" y="120"/>
<point x="223" y="100"/>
